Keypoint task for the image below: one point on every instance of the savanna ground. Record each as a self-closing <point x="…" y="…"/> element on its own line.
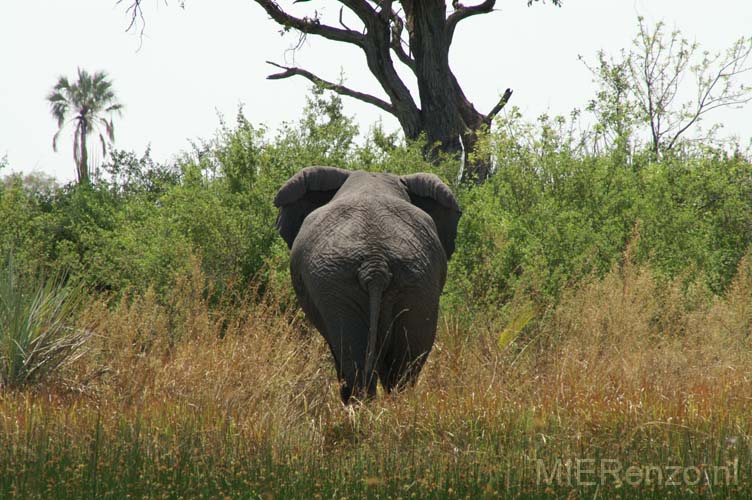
<point x="594" y="337"/>
<point x="623" y="372"/>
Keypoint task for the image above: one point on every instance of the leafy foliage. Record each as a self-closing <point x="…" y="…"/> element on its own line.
<point x="561" y="205"/>
<point x="646" y="89"/>
<point x="554" y="214"/>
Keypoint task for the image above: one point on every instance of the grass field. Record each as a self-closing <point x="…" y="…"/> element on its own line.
<point x="631" y="387"/>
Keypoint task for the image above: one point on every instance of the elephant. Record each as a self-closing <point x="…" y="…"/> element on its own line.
<point x="368" y="262"/>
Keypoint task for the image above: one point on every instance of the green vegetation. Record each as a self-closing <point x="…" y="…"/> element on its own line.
<point x="552" y="214"/>
<point x="36" y="334"/>
<point x="597" y="308"/>
<point x="596" y="320"/>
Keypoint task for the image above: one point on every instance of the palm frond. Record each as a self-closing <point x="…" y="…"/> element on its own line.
<point x="54" y="139"/>
<point x="62" y="85"/>
<point x="114" y="108"/>
<point x="59" y="108"/>
<point x="104" y="145"/>
<point x="59" y="100"/>
<point x="109" y="128"/>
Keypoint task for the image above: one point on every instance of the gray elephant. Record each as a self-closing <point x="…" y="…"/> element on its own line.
<point x="368" y="262"/>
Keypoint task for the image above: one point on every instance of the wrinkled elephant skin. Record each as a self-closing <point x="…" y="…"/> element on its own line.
<point x="368" y="259"/>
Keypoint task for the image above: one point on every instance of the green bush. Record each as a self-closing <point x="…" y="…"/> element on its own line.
<point x="553" y="213"/>
<point x="37" y="334"/>
<point x="557" y="208"/>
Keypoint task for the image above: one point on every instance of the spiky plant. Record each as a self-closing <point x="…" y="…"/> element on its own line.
<point x="36" y="331"/>
<point x="89" y="104"/>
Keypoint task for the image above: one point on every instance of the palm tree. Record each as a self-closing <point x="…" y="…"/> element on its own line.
<point x="88" y="103"/>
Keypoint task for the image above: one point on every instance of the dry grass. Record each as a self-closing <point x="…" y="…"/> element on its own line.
<point x="188" y="400"/>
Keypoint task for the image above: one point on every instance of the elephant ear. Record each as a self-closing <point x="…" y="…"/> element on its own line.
<point x="431" y="195"/>
<point x="303" y="193"/>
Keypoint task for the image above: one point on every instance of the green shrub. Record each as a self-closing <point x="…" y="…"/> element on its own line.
<point x="560" y="206"/>
<point x="554" y="213"/>
<point x="36" y="327"/>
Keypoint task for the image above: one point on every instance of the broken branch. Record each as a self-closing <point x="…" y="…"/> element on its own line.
<point x="336" y="87"/>
<point x="310" y="26"/>
<point x="499" y="106"/>
<point x="461" y="12"/>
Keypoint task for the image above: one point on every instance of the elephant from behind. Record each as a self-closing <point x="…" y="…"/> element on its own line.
<point x="368" y="262"/>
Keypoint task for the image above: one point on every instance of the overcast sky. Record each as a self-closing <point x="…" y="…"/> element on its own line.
<point x="210" y="57"/>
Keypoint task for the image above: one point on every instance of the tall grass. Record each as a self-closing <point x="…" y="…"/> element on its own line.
<point x="243" y="403"/>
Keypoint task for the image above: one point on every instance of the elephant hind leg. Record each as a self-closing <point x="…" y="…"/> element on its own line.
<point x="347" y="336"/>
<point x="410" y="343"/>
<point x="402" y="373"/>
<point x="353" y="387"/>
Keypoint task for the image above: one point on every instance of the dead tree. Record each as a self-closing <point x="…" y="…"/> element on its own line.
<point x="417" y="34"/>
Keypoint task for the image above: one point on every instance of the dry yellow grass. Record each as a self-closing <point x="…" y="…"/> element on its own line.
<point x="627" y="366"/>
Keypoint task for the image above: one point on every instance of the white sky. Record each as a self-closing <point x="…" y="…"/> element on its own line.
<point x="211" y="57"/>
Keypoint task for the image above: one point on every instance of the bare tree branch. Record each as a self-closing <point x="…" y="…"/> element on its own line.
<point x="396" y="44"/>
<point x="338" y="88"/>
<point x="386" y="12"/>
<point x="377" y="47"/>
<point x="499" y="106"/>
<point x="136" y="13"/>
<point x="735" y="65"/>
<point x="310" y="25"/>
<point x="461" y="12"/>
<point x="134" y="10"/>
<point x="341" y="20"/>
<point x="362" y="9"/>
<point x="399" y="51"/>
<point x="657" y="69"/>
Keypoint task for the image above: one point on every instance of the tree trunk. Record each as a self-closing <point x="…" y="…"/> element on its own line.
<point x="83" y="167"/>
<point x="379" y="59"/>
<point x="450" y="121"/>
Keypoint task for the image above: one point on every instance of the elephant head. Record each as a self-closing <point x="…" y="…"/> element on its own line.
<point x="368" y="262"/>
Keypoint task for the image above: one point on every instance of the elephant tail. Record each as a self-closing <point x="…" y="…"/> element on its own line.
<point x="374" y="277"/>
